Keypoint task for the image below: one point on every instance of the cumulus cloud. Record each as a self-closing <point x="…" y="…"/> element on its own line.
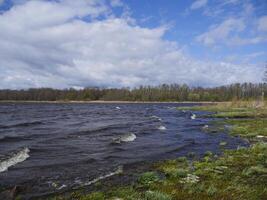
<point x="198" y="4"/>
<point x="221" y="32"/>
<point x="243" y="27"/>
<point x="64" y="44"/>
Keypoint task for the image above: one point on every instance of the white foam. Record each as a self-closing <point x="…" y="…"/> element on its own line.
<point x="62" y="187"/>
<point x="14" y="159"/>
<point x="162" y="128"/>
<point x="129" y="137"/>
<point x="118" y="108"/>
<point x="118" y="171"/>
<point x="193" y="116"/>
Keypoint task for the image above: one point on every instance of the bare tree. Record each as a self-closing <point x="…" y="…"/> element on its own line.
<point x="264" y="80"/>
<point x="265" y="74"/>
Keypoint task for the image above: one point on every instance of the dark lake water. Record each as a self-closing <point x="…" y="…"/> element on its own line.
<point x="52" y="147"/>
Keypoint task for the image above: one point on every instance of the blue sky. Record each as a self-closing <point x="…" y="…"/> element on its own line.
<point x="125" y="43"/>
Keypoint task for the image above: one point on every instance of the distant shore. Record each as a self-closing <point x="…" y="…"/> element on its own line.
<point x="113" y="102"/>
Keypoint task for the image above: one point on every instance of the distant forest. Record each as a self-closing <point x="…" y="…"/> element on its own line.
<point x="172" y="92"/>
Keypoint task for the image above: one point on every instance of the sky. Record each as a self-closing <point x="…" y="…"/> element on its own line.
<point x="128" y="43"/>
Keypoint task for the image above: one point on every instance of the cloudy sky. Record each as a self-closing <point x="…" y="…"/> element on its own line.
<point x="126" y="43"/>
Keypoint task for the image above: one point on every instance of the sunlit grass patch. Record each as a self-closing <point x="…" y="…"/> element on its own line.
<point x="237" y="109"/>
<point x="248" y="127"/>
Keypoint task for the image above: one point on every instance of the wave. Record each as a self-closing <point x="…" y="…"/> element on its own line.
<point x="100" y="129"/>
<point x="23" y="124"/>
<point x="156" y="117"/>
<point x="162" y="128"/>
<point x="118" y="171"/>
<point x="11" y="139"/>
<point x="14" y="159"/>
<point x="129" y="137"/>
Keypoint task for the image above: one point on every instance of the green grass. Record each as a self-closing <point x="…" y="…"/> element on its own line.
<point x="232" y="110"/>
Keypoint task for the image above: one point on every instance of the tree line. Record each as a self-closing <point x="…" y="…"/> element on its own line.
<point x="164" y="92"/>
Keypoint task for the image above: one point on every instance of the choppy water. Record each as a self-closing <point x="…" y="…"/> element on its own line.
<point x="51" y="147"/>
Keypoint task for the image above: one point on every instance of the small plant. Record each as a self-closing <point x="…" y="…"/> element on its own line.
<point x="208" y="153"/>
<point x="211" y="190"/>
<point x="181" y="159"/>
<point x="156" y="195"/>
<point x="148" y="178"/>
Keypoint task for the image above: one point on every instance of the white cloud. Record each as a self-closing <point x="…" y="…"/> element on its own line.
<point x="262" y="23"/>
<point x="116" y="3"/>
<point x="237" y="28"/>
<point x="246" y="41"/>
<point x="255" y="57"/>
<point x="226" y="2"/>
<point x="47" y="44"/>
<point x="221" y="32"/>
<point x="198" y="4"/>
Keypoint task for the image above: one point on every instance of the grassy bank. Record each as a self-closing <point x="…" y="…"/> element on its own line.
<point x="236" y="174"/>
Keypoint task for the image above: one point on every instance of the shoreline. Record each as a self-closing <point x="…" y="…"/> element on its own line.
<point x="113" y="102"/>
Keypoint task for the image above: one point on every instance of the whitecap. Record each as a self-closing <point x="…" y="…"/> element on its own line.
<point x="118" y="108"/>
<point x="193" y="116"/>
<point x="14" y="159"/>
<point x="162" y="128"/>
<point x="129" y="137"/>
<point x="62" y="187"/>
<point x="206" y="127"/>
